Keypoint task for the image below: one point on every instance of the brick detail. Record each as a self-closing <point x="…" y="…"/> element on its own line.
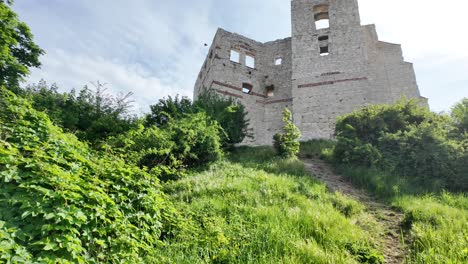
<point x="276" y="101"/>
<point x="308" y="85"/>
<point x="237" y="88"/>
<point x="227" y="93"/>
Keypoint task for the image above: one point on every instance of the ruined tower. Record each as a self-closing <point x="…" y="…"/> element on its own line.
<point x="329" y="67"/>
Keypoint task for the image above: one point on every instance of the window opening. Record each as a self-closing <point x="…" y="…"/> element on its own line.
<point x="321" y="16"/>
<point x="323" y="38"/>
<point x="249" y="61"/>
<point x="247" y="88"/>
<point x="323" y="45"/>
<point x="235" y="56"/>
<point x="270" y="91"/>
<point x="278" y="61"/>
<point x="324" y="51"/>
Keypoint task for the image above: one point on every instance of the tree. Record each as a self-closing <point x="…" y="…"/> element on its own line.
<point x="231" y="116"/>
<point x="91" y="115"/>
<point x="18" y="52"/>
<point x="460" y="115"/>
<point x="168" y="109"/>
<point x="287" y="143"/>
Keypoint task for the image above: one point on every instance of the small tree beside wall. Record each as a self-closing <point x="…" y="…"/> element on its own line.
<point x="287" y="143"/>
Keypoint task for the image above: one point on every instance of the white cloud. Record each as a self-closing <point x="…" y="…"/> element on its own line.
<point x="74" y="71"/>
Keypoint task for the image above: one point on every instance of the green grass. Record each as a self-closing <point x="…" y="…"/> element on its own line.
<point x="436" y="223"/>
<point x="255" y="208"/>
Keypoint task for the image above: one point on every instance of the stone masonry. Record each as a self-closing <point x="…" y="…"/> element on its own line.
<point x="329" y="67"/>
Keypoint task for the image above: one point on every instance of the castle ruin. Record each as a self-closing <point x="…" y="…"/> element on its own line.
<point x="329" y="67"/>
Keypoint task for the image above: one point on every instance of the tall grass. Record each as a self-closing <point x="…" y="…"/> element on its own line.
<point x="255" y="208"/>
<point x="437" y="222"/>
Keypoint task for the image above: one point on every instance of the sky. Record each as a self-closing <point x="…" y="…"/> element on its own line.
<point x="155" y="48"/>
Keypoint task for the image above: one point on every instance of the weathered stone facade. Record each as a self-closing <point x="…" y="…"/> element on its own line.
<point x="329" y="67"/>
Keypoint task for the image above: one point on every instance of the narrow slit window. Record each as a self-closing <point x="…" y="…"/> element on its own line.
<point x="323" y="45"/>
<point x="247" y="88"/>
<point x="235" y="56"/>
<point x="250" y="61"/>
<point x="270" y="91"/>
<point x="321" y="16"/>
<point x="278" y="61"/>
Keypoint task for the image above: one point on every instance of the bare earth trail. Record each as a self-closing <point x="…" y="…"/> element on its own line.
<point x="390" y="219"/>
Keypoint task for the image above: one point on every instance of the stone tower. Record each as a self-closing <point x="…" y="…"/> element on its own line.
<point x="329" y="67"/>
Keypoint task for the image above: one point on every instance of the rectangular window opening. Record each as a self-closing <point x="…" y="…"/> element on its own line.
<point x="324" y="51"/>
<point x="250" y="61"/>
<point x="278" y="61"/>
<point x="270" y="91"/>
<point x="321" y="16"/>
<point x="235" y="56"/>
<point x="247" y="88"/>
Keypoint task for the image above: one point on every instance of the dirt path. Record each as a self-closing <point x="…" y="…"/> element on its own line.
<point x="390" y="219"/>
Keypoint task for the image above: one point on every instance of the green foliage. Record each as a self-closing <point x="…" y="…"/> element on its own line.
<point x="64" y="203"/>
<point x="405" y="140"/>
<point x="230" y="115"/>
<point x="191" y="141"/>
<point x="287" y="143"/>
<point x="18" y="52"/>
<point x="438" y="227"/>
<point x="317" y="148"/>
<point x="258" y="208"/>
<point x="168" y="109"/>
<point x="460" y="115"/>
<point x="91" y="115"/>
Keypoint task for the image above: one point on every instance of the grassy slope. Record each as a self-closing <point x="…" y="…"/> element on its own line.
<point x="437" y="223"/>
<point x="253" y="208"/>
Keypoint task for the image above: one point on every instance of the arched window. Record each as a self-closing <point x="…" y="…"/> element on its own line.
<point x="321" y="16"/>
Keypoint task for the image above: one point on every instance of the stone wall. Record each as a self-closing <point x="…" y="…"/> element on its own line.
<point x="324" y="72"/>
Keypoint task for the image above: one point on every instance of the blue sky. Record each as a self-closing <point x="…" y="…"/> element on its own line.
<point x="154" y="48"/>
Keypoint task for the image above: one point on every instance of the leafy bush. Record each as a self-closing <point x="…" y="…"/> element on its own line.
<point x="168" y="109"/>
<point x="63" y="203"/>
<point x="405" y="140"/>
<point x="191" y="141"/>
<point x="287" y="143"/>
<point x="91" y="115"/>
<point x="230" y="115"/>
<point x="460" y="116"/>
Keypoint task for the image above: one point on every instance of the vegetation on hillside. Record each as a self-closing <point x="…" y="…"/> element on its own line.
<point x="256" y="208"/>
<point x="64" y="203"/>
<point x="230" y="115"/>
<point x="406" y="156"/>
<point x="92" y="115"/>
<point x="287" y="143"/>
<point x="405" y="140"/>
<point x="162" y="189"/>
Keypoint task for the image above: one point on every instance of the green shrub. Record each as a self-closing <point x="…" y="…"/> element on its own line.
<point x="168" y="109"/>
<point x="230" y="115"/>
<point x="64" y="203"/>
<point x="287" y="143"/>
<point x="91" y="115"/>
<point x="189" y="142"/>
<point x="460" y="115"/>
<point x="405" y="140"/>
